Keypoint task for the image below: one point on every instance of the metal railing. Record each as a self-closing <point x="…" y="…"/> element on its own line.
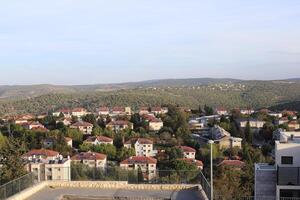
<point x="15" y="186"/>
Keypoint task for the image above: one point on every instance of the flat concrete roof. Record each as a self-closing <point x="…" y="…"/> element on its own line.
<point x="57" y="193"/>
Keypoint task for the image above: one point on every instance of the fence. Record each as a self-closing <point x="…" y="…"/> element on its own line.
<point x="13" y="187"/>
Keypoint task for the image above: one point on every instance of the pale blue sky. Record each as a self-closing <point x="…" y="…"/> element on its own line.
<point x="101" y="41"/>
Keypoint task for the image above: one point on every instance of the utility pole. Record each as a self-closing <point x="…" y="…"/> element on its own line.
<point x="211" y="142"/>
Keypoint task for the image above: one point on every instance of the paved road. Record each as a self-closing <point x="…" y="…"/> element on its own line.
<point x="58" y="193"/>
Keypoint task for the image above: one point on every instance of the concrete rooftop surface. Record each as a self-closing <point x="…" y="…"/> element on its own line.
<point x="92" y="193"/>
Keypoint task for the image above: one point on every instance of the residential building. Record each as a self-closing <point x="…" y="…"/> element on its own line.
<point x="293" y="125"/>
<point x="159" y="110"/>
<point x="197" y="163"/>
<point x="188" y="152"/>
<point x="142" y="146"/>
<point x="144" y="111"/>
<point x="85" y="127"/>
<point x="65" y="121"/>
<point x="234" y="164"/>
<point x="254" y="123"/>
<point x="47" y="165"/>
<point x="91" y="159"/>
<point x="221" y="111"/>
<point x="119" y="125"/>
<point x="96" y="140"/>
<point x="281" y="179"/>
<point x="33" y="125"/>
<point x="196" y="125"/>
<point x="282" y="120"/>
<point x="103" y="111"/>
<point x="79" y="112"/>
<point x="154" y="123"/>
<point x="247" y="111"/>
<point x="67" y="113"/>
<point x="146" y="164"/>
<point x="224" y="139"/>
<point x="121" y="111"/>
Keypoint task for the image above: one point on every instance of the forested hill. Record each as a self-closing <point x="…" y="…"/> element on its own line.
<point x="229" y="93"/>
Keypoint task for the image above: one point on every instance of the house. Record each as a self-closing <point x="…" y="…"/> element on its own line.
<point x="65" y="121"/>
<point x="275" y="114"/>
<point x="142" y="146"/>
<point x="280" y="180"/>
<point x="188" y="152"/>
<point x="237" y="164"/>
<point x="119" y="125"/>
<point x="103" y="111"/>
<point x="67" y="113"/>
<point x="223" y="138"/>
<point x="96" y="140"/>
<point x="144" y="111"/>
<point x="221" y="111"/>
<point x="33" y="125"/>
<point x="121" y="111"/>
<point x="157" y="110"/>
<point x="79" y="112"/>
<point x="196" y="125"/>
<point x="282" y="120"/>
<point x="91" y="159"/>
<point x="85" y="127"/>
<point x="293" y="125"/>
<point x="41" y="153"/>
<point x="154" y="123"/>
<point x="46" y="165"/>
<point x="254" y="123"/>
<point x="40" y="129"/>
<point x="146" y="164"/>
<point x="247" y="111"/>
<point x="69" y="141"/>
<point x="198" y="163"/>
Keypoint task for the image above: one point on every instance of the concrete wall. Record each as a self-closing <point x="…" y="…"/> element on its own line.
<point x="104" y="185"/>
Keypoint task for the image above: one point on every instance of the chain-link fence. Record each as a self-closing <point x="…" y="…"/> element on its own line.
<point x="13" y="187"/>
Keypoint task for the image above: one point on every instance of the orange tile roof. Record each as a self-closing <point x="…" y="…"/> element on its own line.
<point x="89" y="156"/>
<point x="41" y="152"/>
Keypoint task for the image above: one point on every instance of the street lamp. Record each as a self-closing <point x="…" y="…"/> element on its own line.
<point x="211" y="142"/>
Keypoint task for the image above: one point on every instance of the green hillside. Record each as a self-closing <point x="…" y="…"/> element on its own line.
<point x="230" y="94"/>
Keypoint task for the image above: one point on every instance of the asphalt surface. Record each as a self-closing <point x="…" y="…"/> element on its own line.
<point x="88" y="194"/>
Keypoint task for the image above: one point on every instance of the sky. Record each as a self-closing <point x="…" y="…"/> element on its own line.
<point x="100" y="41"/>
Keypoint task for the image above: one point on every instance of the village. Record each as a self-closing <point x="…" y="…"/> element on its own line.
<point x="77" y="144"/>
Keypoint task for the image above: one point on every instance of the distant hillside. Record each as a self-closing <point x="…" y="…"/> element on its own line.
<point x="229" y="93"/>
<point x="294" y="105"/>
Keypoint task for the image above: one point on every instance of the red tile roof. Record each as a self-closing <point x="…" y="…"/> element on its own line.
<point x="198" y="163"/>
<point x="140" y="140"/>
<point x="41" y="152"/>
<point x="82" y="123"/>
<point x="232" y="163"/>
<point x="156" y="109"/>
<point x="118" y="122"/>
<point x="67" y="139"/>
<point x="89" y="156"/>
<point x="40" y="129"/>
<point x="139" y="160"/>
<point x="103" y="109"/>
<point x="118" y="109"/>
<point x="78" y="110"/>
<point x="104" y="139"/>
<point x="187" y="149"/>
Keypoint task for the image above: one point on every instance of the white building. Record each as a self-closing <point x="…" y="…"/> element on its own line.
<point x="47" y="165"/>
<point x="188" y="152"/>
<point x="142" y="146"/>
<point x="254" y="123"/>
<point x="281" y="179"/>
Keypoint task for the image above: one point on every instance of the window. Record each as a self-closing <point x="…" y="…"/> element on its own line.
<point x="286" y="160"/>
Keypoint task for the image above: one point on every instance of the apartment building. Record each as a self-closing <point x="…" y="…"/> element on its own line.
<point x="281" y="179"/>
<point x="103" y="111"/>
<point x="79" y="112"/>
<point x="91" y="159"/>
<point x="85" y="127"/>
<point x="146" y="164"/>
<point x="47" y="165"/>
<point x="254" y="123"/>
<point x="142" y="146"/>
<point x="154" y="123"/>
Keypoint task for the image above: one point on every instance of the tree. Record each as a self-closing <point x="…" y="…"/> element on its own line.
<point x="11" y="161"/>
<point x="248" y="133"/>
<point x="208" y="110"/>
<point x="3" y="141"/>
<point x="90" y="118"/>
<point x="107" y="149"/>
<point x="267" y="131"/>
<point x="174" y="153"/>
<point x="124" y="153"/>
<point x="76" y="135"/>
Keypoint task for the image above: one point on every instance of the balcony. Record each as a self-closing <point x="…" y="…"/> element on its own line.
<point x="288" y="176"/>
